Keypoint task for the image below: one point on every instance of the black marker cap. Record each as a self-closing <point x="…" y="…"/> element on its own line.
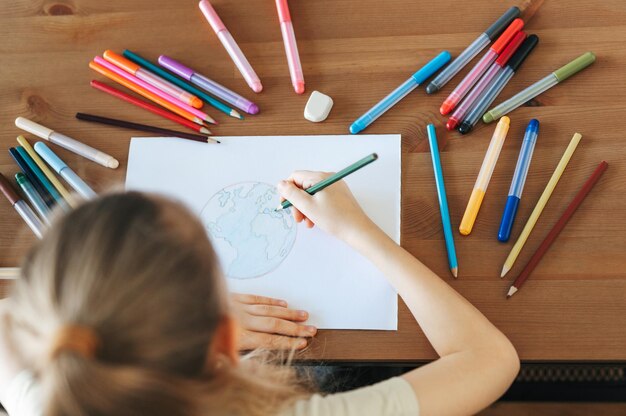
<point x="502" y="23"/>
<point x="523" y="51"/>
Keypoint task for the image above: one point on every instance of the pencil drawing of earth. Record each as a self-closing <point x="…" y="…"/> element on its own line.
<point x="251" y="238"/>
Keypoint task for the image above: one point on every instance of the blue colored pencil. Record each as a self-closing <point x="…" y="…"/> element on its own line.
<point x="443" y="200"/>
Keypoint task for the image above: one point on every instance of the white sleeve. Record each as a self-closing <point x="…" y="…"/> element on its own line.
<point x="391" y="397"/>
<point x="23" y="396"/>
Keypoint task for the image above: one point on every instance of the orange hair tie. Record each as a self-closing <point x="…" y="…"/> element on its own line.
<point x="73" y="338"/>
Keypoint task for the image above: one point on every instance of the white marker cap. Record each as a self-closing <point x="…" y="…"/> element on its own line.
<point x="33" y="128"/>
<point x="318" y="107"/>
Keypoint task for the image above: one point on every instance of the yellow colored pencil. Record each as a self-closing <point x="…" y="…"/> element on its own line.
<point x="543" y="200"/>
<point x="46" y="171"/>
<point x="484" y="176"/>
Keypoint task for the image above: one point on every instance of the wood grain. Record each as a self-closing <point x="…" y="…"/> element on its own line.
<point x="357" y="51"/>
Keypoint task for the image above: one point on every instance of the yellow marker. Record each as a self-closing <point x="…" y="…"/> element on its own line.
<point x="543" y="200"/>
<point x="46" y="171"/>
<point x="484" y="176"/>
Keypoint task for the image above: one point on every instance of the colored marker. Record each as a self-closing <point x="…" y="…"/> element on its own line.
<point x="560" y="75"/>
<point x="399" y="93"/>
<point x="33" y="197"/>
<point x="134" y="80"/>
<point x="22" y="208"/>
<point x="484" y="176"/>
<point x="541" y="204"/>
<point x="291" y="47"/>
<point x="152" y="79"/>
<point x="472" y="50"/>
<point x="494" y="70"/>
<point x="443" y="200"/>
<point x="21" y="163"/>
<point x="46" y="171"/>
<point x="334" y="178"/>
<point x="66" y="142"/>
<point x="231" y="46"/>
<point x="519" y="179"/>
<point x="557" y="228"/>
<point x="182" y="84"/>
<point x="498" y="84"/>
<point x="64" y="171"/>
<point x="211" y="86"/>
<point x="56" y="196"/>
<point x="474" y="75"/>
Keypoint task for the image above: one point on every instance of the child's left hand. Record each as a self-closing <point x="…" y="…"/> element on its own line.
<point x="268" y="323"/>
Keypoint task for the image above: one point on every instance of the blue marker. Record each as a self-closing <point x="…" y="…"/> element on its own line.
<point x="443" y="200"/>
<point x="399" y="93"/>
<point x="64" y="171"/>
<point x="519" y="178"/>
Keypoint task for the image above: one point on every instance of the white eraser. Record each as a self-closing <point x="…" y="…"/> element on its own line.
<point x="318" y="107"/>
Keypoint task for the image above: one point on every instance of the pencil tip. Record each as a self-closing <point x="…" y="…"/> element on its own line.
<point x="512" y="291"/>
<point x="505" y="270"/>
<point x="205" y="130"/>
<point x="236" y="114"/>
<point x="455" y="272"/>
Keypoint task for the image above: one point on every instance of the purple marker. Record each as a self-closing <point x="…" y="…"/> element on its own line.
<point x="213" y="87"/>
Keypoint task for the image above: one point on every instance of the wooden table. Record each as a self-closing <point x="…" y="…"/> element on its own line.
<point x="357" y="51"/>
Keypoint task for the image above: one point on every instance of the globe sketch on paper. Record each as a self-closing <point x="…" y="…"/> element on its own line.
<point x="251" y="238"/>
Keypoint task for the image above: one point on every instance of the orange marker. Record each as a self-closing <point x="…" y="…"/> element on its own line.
<point x="144" y="93"/>
<point x="152" y="79"/>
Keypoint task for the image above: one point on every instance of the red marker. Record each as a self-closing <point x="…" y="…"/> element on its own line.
<point x="474" y="75"/>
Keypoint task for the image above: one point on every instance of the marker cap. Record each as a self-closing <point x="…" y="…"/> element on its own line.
<point x="511" y="48"/>
<point x="283" y="11"/>
<point x="431" y="67"/>
<point x="499" y="25"/>
<point x="50" y="157"/>
<point x="577" y="65"/>
<point x="504" y="39"/>
<point x="211" y="15"/>
<point x="523" y="51"/>
<point x="120" y="61"/>
<point x="33" y="128"/>
<point x="176" y="67"/>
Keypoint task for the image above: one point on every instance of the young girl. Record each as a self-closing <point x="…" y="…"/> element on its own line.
<point x="122" y="310"/>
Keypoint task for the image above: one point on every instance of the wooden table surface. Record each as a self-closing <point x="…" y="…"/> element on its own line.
<point x="356" y="51"/>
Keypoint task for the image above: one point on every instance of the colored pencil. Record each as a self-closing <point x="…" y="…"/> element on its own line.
<point x="46" y="171"/>
<point x="443" y="200"/>
<point x="541" y="204"/>
<point x="23" y="209"/>
<point x="144" y="127"/>
<point x="150" y="107"/>
<point x="334" y="178"/>
<point x="144" y="93"/>
<point x="182" y="84"/>
<point x="557" y="228"/>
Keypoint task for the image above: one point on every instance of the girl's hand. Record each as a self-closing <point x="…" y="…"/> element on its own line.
<point x="268" y="323"/>
<point x="334" y="209"/>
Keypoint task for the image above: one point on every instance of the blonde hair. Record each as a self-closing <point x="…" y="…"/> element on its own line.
<point x="139" y="272"/>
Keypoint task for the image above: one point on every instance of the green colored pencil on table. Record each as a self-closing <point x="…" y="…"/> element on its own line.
<point x="334" y="178"/>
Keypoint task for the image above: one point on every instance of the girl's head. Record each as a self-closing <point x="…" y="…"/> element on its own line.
<point x="122" y="310"/>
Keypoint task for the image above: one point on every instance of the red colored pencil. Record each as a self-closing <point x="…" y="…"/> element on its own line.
<point x="150" y="107"/>
<point x="557" y="228"/>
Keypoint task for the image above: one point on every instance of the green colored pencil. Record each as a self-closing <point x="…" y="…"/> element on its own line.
<point x="334" y="178"/>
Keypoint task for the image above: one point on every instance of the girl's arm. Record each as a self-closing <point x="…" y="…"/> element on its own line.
<point x="477" y="362"/>
<point x="9" y="363"/>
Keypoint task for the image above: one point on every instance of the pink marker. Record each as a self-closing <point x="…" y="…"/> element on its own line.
<point x="231" y="46"/>
<point x="291" y="47"/>
<point x="474" y="75"/>
<point x="154" y="90"/>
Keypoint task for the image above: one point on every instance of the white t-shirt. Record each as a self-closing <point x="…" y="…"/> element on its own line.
<point x="393" y="397"/>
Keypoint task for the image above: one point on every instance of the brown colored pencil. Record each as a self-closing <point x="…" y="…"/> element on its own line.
<point x="557" y="228"/>
<point x="144" y="127"/>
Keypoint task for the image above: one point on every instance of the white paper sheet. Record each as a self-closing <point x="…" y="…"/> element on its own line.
<point x="309" y="269"/>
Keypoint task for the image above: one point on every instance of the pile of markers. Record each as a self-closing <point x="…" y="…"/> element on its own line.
<point x="469" y="101"/>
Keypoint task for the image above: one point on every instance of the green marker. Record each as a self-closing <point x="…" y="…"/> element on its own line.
<point x="334" y="178"/>
<point x="43" y="179"/>
<point x="537" y="88"/>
